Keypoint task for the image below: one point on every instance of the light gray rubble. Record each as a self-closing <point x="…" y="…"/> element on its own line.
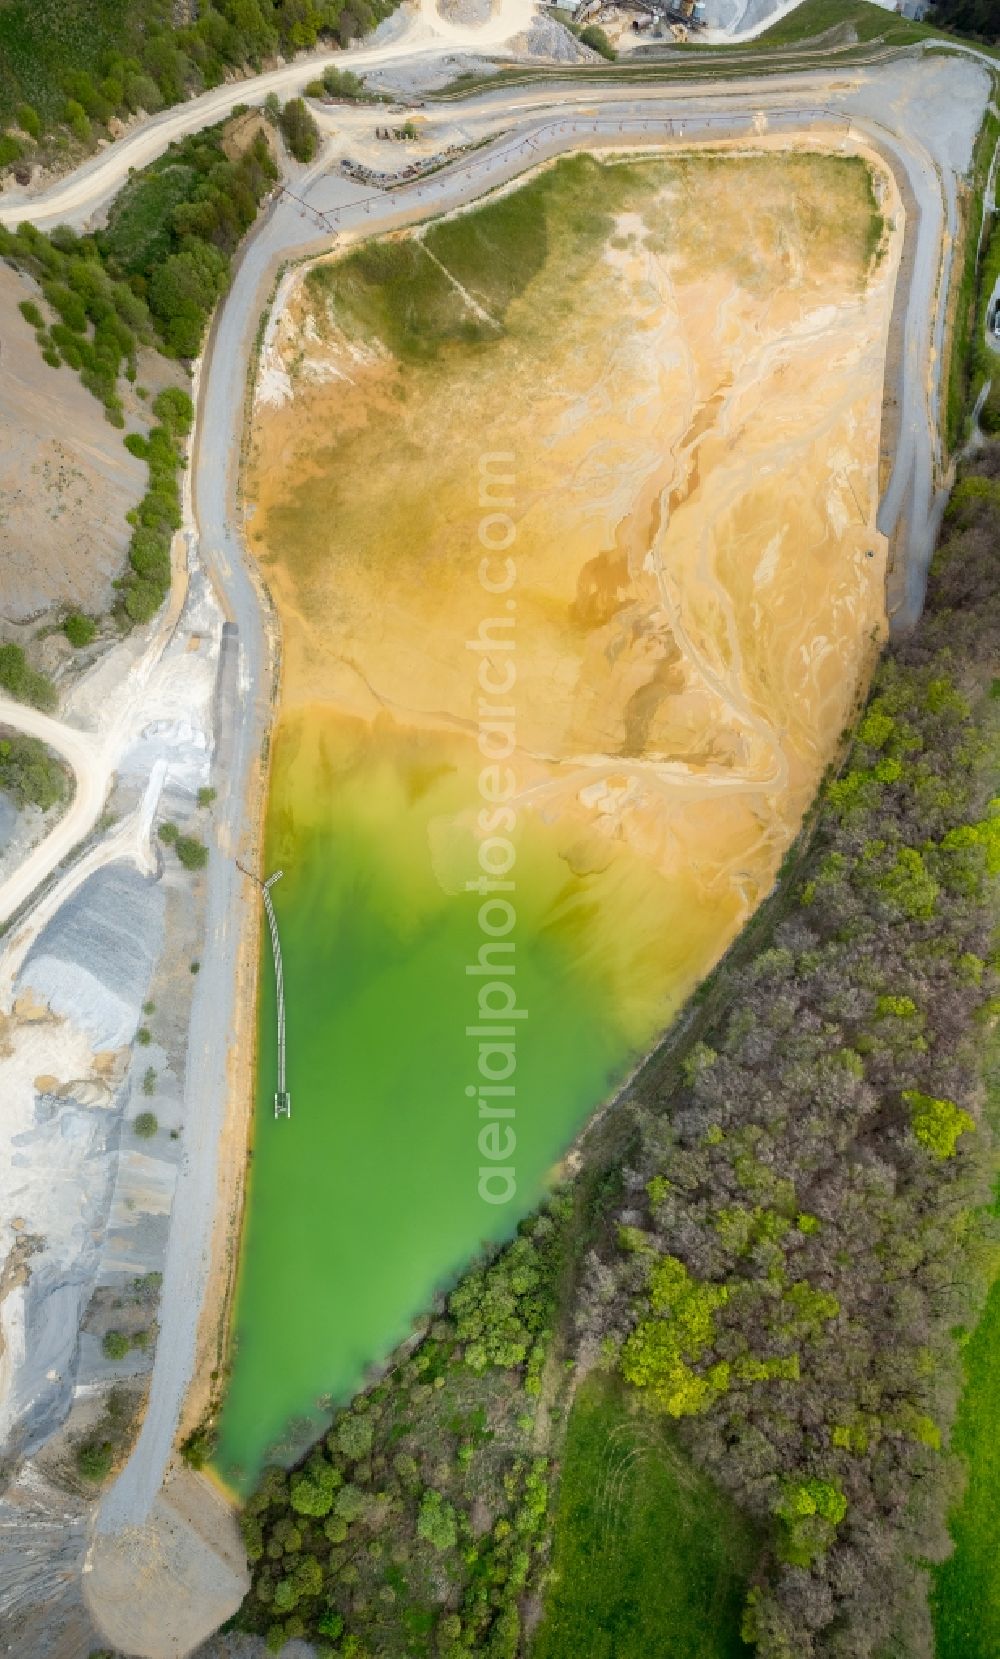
<point x="94" y="961"/>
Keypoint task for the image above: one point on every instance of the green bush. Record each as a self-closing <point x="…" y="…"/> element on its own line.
<point x="598" y="41"/>
<point x="29" y="120"/>
<point x="299" y="130"/>
<point x="94" y="1459"/>
<point x="192" y="853"/>
<point x="10" y="150"/>
<point x="80" y="630"/>
<point x="30" y="773"/>
<point x="199" y="1447"/>
<point x="173" y="407"/>
<point x="31" y="314"/>
<point x="340" y="83"/>
<point x="22" y="682"/>
<point x="75" y="117"/>
<point x="436" y="1523"/>
<point x="146" y="1125"/>
<point x="115" y="1344"/>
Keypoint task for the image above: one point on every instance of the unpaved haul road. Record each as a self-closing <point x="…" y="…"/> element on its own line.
<point x="85" y="756"/>
<point x="921" y="116"/>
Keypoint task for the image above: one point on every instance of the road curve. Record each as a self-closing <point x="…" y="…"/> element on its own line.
<point x="83" y="194"/>
<point x="83" y="754"/>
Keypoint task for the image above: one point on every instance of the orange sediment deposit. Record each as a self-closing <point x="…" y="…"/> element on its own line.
<point x="690" y="425"/>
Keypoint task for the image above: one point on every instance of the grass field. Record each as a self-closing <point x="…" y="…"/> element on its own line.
<point x="966" y="1593"/>
<point x="651" y="1561"/>
<point x="816" y="17"/>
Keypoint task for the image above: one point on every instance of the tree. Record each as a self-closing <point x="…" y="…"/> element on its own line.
<point x="30" y="773"/>
<point x="354" y="1436"/>
<point x="146" y="1125"/>
<point x="436" y="1523"/>
<point x="115" y="1344"/>
<point x="192" y="853"/>
<point x="314" y="1488"/>
<point x="299" y="129"/>
<point x="937" y="1124"/>
<point x="199" y="1447"/>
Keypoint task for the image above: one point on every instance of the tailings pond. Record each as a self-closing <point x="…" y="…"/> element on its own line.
<point x="567" y="506"/>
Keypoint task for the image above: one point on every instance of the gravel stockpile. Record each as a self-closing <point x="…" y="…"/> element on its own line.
<point x="94" y="961"/>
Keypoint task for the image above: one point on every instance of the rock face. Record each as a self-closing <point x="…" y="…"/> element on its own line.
<point x="94" y="961"/>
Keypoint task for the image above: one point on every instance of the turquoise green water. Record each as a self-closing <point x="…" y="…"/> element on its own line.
<point x="367" y="1199"/>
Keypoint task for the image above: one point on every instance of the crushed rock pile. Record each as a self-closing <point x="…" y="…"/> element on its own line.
<point x="95" y="959"/>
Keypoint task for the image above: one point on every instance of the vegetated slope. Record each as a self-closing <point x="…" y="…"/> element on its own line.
<point x="972" y="17"/>
<point x="418" y="1525"/>
<point x="152" y="277"/>
<point x="651" y="1561"/>
<point x="802" y="1230"/>
<point x="966" y="1597"/>
<point x="858" y="17"/>
<point x="70" y="68"/>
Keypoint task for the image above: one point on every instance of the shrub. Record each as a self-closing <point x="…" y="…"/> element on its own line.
<point x="174" y="408"/>
<point x="598" y="41"/>
<point x="29" y="121"/>
<point x="168" y="832"/>
<point x="199" y="1447"/>
<point x="206" y="795"/>
<point x="22" y="682"/>
<point x="115" y="1344"/>
<point x="75" y="117"/>
<point x="31" y="314"/>
<point x="192" y="853"/>
<point x="340" y="83"/>
<point x="80" y="630"/>
<point x="29" y="773"/>
<point x="149" y="1081"/>
<point x="144" y="1036"/>
<point x="146" y="1125"/>
<point x="299" y="130"/>
<point x="93" y="1460"/>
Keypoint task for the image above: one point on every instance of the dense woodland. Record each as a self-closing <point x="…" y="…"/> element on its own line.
<point x="69" y="69"/>
<point x="971" y="17"/>
<point x="783" y="1264"/>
